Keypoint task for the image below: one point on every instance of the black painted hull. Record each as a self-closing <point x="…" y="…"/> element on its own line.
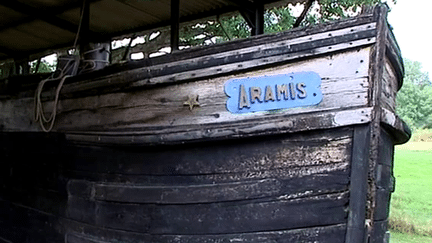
<point x="134" y="164"/>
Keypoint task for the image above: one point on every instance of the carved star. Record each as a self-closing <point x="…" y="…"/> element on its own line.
<point x="192" y="101"/>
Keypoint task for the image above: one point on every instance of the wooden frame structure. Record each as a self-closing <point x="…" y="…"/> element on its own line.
<point x="148" y="152"/>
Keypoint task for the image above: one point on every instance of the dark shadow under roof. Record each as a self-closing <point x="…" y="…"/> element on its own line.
<point x="29" y="27"/>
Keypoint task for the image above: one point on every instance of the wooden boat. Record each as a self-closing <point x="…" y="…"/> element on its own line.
<point x="275" y="138"/>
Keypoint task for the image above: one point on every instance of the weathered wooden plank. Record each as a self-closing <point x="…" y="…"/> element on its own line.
<point x="23" y="224"/>
<point x="356" y="230"/>
<point x="217" y="218"/>
<point x="35" y="198"/>
<point x="382" y="200"/>
<point x="238" y="59"/>
<point x="384" y="185"/>
<point x="380" y="232"/>
<point x="82" y="210"/>
<point x="187" y="194"/>
<point x="165" y="105"/>
<point x="327" y="234"/>
<point x="400" y="131"/>
<point x="389" y="87"/>
<point x="261" y="62"/>
<point x="393" y="54"/>
<point x="249" y="128"/>
<point x="218" y="191"/>
<point x="81" y="238"/>
<point x="321" y="180"/>
<point x="325" y="148"/>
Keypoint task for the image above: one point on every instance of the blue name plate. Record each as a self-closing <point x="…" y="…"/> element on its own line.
<point x="273" y="92"/>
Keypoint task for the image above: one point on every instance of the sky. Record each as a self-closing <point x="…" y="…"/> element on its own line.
<point x="411" y="21"/>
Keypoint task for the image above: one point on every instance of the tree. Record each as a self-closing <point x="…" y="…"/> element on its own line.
<point x="414" y="100"/>
<point x="44" y="67"/>
<point x="225" y="28"/>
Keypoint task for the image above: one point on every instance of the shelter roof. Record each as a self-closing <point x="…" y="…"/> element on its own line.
<point x="29" y="27"/>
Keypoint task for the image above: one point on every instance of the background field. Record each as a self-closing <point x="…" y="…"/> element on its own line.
<point x="411" y="204"/>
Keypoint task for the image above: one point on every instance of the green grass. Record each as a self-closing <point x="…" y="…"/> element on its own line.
<point x="397" y="237"/>
<point x="411" y="203"/>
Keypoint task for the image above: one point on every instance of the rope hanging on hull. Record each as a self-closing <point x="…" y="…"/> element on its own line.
<point x="69" y="70"/>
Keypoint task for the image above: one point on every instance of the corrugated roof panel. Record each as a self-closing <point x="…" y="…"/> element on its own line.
<point x="51" y="33"/>
<point x="155" y="11"/>
<point x="17" y="39"/>
<point x="114" y="16"/>
<point x="30" y="36"/>
<point x="72" y="15"/>
<point x="49" y="4"/>
<point x="24" y="23"/>
<point x="197" y="6"/>
<point x="9" y="16"/>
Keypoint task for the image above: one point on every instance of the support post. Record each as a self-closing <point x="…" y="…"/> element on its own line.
<point x="38" y="65"/>
<point x="259" y="19"/>
<point x="25" y="67"/>
<point x="84" y="28"/>
<point x="254" y="16"/>
<point x="175" y="19"/>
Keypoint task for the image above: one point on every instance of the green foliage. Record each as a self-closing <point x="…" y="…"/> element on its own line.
<point x="275" y="20"/>
<point x="44" y="67"/>
<point x="336" y="9"/>
<point x="414" y="100"/>
<point x="225" y="28"/>
<point x="278" y="19"/>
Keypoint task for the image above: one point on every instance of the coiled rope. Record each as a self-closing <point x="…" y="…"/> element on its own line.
<point x="39" y="113"/>
<point x="70" y="67"/>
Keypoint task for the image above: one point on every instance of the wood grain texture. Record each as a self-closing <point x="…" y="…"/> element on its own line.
<point x="218" y="218"/>
<point x="327" y="234"/>
<point x="377" y="68"/>
<point x="215" y="188"/>
<point x="389" y="87"/>
<point x="393" y="54"/>
<point x="263" y="155"/>
<point x="301" y="175"/>
<point x="249" y="128"/>
<point x="22" y="224"/>
<point x="343" y="70"/>
<point x="164" y="106"/>
<point x="380" y="232"/>
<point x="187" y="194"/>
<point x="397" y="127"/>
<point x="128" y="162"/>
<point x="356" y="229"/>
<point x="236" y="59"/>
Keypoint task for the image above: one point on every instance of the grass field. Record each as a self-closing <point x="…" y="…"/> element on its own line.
<point x="411" y="204"/>
<point x="405" y="238"/>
